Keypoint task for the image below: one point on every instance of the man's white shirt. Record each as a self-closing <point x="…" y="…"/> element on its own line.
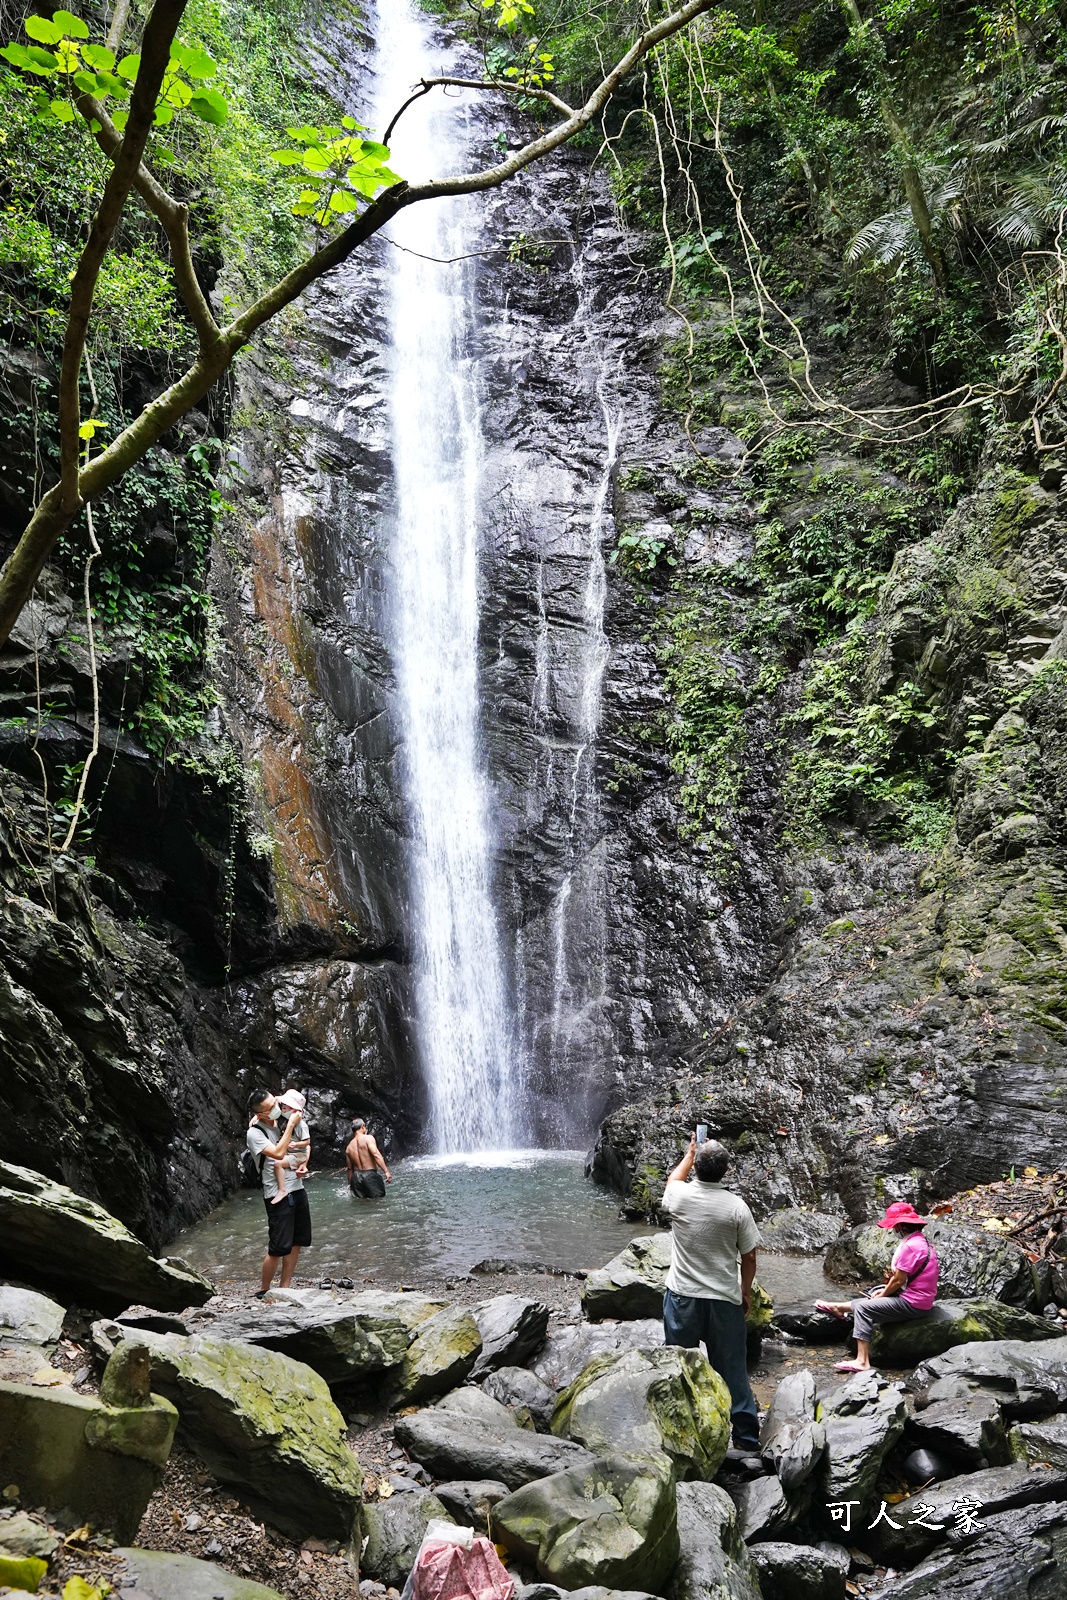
<point x="711" y="1229"/>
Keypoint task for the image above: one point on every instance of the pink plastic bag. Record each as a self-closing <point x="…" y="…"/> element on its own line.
<point x="450" y="1571"/>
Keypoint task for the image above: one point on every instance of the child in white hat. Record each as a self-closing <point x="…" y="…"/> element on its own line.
<point x="299" y="1151"/>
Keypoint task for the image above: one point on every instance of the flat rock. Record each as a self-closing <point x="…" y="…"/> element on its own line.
<point x="68" y="1246"/>
<point x="1040" y="1441"/>
<point x="265" y="1424"/>
<point x="524" y="1393"/>
<point x="469" y="1501"/>
<point x="794" y="1231"/>
<point x="569" y="1349"/>
<point x="440" y="1356"/>
<point x="1028" y="1379"/>
<point x="450" y="1446"/>
<point x="863" y="1420"/>
<point x="512" y="1330"/>
<point x="801" y="1571"/>
<point x="802" y="1321"/>
<point x="161" y="1576"/>
<point x="973" y="1263"/>
<point x="640" y="1402"/>
<point x="1020" y="1555"/>
<point x="340" y="1342"/>
<point x="969" y="1432"/>
<point x="25" y="1535"/>
<point x="952" y="1322"/>
<point x="714" y="1563"/>
<point x="792" y="1442"/>
<point x="995" y="1489"/>
<point x="475" y="1405"/>
<point x="394" y="1530"/>
<point x="613" y="1519"/>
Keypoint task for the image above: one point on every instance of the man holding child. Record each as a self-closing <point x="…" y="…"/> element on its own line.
<point x="276" y="1123"/>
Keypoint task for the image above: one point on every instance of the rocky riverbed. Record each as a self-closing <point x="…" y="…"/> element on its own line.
<point x="247" y="1449"/>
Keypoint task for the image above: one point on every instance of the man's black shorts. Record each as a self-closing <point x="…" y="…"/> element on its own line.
<point x="367" y="1185"/>
<point x="288" y="1223"/>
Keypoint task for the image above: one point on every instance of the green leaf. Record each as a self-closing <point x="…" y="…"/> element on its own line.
<point x="342" y="200"/>
<point x="307" y="196"/>
<point x="352" y="125"/>
<point x="306" y="134"/>
<point x="380" y="152"/>
<point x="43" y="62"/>
<point x="67" y="23"/>
<point x="316" y="161"/>
<point x="17" y="54"/>
<point x="177" y="94"/>
<point x="87" y="429"/>
<point x="62" y="110"/>
<point x="164" y="114"/>
<point x="98" y="56"/>
<point x="86" y="81"/>
<point x="46" y="32"/>
<point x="287" y="158"/>
<point x="305" y="208"/>
<point x="209" y="106"/>
<point x="129" y="67"/>
<point x="197" y="63"/>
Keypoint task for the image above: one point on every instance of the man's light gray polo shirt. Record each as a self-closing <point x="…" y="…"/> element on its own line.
<point x="259" y="1136"/>
<point x="711" y="1229"/>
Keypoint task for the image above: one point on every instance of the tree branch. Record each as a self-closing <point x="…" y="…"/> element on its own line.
<point x="477" y="83"/>
<point x="155" y="53"/>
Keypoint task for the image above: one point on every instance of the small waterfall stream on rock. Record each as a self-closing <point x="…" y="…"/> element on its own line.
<point x="462" y="1016"/>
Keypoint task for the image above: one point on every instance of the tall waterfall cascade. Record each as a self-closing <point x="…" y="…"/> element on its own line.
<point x="462" y="1015"/>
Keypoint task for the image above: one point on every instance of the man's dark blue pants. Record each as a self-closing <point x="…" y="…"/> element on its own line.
<point x="688" y="1321"/>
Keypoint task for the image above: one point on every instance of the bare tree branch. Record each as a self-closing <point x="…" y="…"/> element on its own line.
<point x="478" y="83"/>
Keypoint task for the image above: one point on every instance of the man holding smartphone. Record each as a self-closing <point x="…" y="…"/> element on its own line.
<point x="709" y="1285"/>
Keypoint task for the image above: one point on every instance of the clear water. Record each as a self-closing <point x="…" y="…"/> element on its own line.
<point x="442" y="1215"/>
<point x="462" y="1017"/>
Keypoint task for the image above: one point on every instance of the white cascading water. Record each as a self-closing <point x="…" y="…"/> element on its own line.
<point x="462" y="1018"/>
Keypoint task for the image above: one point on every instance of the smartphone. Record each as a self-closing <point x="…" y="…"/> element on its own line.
<point x="702" y="1133"/>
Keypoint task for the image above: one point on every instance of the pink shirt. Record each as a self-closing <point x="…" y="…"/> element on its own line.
<point x="921" y="1291"/>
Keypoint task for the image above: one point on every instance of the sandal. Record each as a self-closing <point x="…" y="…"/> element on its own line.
<point x="831" y="1310"/>
<point x="851" y="1366"/>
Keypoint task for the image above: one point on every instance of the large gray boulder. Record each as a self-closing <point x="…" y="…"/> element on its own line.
<point x="801" y="1571"/>
<point x="569" y="1349"/>
<point x="393" y="1532"/>
<point x="512" y="1330"/>
<point x="470" y="1501"/>
<point x="157" y="1575"/>
<point x="952" y="1322"/>
<point x="524" y="1393"/>
<point x="968" y="1431"/>
<point x="57" y="1241"/>
<point x="632" y="1284"/>
<point x="342" y="1343"/>
<point x="30" y="1325"/>
<point x="794" y="1231"/>
<point x="907" y="1539"/>
<point x="1026" y="1379"/>
<point x="764" y="1511"/>
<point x="1040" y="1441"/>
<point x="612" y="1521"/>
<point x="440" y="1356"/>
<point x="973" y="1263"/>
<point x="714" y="1563"/>
<point x="1020" y="1554"/>
<point x="802" y="1321"/>
<point x="792" y="1441"/>
<point x="863" y="1420"/>
<point x="266" y="1425"/>
<point x="451" y="1445"/>
<point x="641" y="1402"/>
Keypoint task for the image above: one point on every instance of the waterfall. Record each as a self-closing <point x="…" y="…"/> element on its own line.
<point x="462" y="1018"/>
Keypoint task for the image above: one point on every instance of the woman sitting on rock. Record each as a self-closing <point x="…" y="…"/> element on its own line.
<point x="910" y="1288"/>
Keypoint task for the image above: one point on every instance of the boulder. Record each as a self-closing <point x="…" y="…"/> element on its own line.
<point x="794" y="1231"/>
<point x="441" y="1355"/>
<point x="66" y="1245"/>
<point x="642" y="1402"/>
<point x="552" y="1591"/>
<point x="393" y="1532"/>
<point x="1021" y="1555"/>
<point x="71" y="1452"/>
<point x="801" y="1571"/>
<point x="973" y="1263"/>
<point x="157" y="1575"/>
<point x="632" y="1285"/>
<point x="511" y="1330"/>
<point x="24" y="1535"/>
<point x="30" y="1325"/>
<point x="1028" y="1380"/>
<point x="863" y="1420"/>
<point x="524" y="1393"/>
<point x="969" y="1432"/>
<point x="763" y="1510"/>
<point x="451" y="1446"/>
<point x="469" y="1501"/>
<point x="474" y="1405"/>
<point x="613" y="1519"/>
<point x="266" y="1425"/>
<point x="568" y="1350"/>
<point x="340" y="1342"/>
<point x="952" y="1322"/>
<point x="714" y="1564"/>
<point x="1040" y="1441"/>
<point x="905" y="1540"/>
<point x="792" y="1442"/>
<point x="803" y="1322"/>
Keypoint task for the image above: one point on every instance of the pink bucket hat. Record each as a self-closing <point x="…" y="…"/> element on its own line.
<point x="901" y="1211"/>
<point x="293" y="1100"/>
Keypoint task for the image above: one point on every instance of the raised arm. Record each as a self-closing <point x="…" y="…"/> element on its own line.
<point x="685" y="1166"/>
<point x="274" y="1152"/>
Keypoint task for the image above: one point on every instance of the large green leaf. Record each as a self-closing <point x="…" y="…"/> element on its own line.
<point x="287" y="158"/>
<point x="129" y="67"/>
<point x="46" y="32"/>
<point x="67" y="23"/>
<point x="17" y="54"/>
<point x="209" y="106"/>
<point x="62" y="110"/>
<point x="98" y="56"/>
<point x="342" y="200"/>
<point x="43" y="62"/>
<point x="197" y="63"/>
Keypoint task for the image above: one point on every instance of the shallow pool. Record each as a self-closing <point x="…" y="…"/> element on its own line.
<point x="442" y="1215"/>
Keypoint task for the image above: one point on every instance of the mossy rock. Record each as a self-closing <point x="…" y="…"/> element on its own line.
<point x="633" y="1283"/>
<point x="953" y="1322"/>
<point x="640" y="1402"/>
<point x="439" y="1358"/>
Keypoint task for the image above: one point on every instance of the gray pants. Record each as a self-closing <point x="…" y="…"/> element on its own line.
<point x="866" y="1314"/>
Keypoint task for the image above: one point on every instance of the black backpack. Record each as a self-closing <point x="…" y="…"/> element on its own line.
<point x="251" y="1168"/>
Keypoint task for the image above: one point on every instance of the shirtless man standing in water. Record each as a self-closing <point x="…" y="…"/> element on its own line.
<point x="366" y="1164"/>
